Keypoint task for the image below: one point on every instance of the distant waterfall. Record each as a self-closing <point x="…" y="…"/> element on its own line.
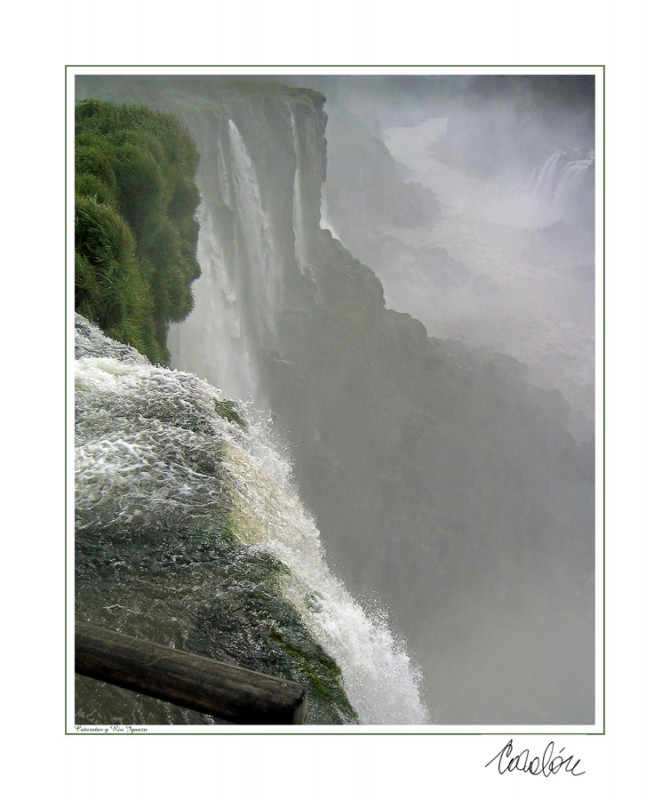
<point x="255" y="246"/>
<point x="301" y="249"/>
<point x="562" y="186"/>
<point x="545" y="182"/>
<point x="573" y="184"/>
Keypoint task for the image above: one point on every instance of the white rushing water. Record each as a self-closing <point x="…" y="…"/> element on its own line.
<point x="555" y="188"/>
<point x="301" y="249"/>
<point x="142" y="465"/>
<point x="256" y="246"/>
<point x="379" y="678"/>
<point x="216" y="317"/>
<point x="236" y="296"/>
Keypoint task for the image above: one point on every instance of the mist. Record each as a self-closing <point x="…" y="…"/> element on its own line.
<point x="407" y="287"/>
<point x="482" y="226"/>
<point x="472" y="198"/>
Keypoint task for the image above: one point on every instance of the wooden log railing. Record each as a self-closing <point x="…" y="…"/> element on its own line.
<point x="202" y="684"/>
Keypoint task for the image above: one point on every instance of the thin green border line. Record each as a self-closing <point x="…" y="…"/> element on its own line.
<point x="66" y="374"/>
<point x="339" y="66"/>
<point x="603" y="427"/>
<point x="348" y="732"/>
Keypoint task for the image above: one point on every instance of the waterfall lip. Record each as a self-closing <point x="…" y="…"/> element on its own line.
<point x="160" y="452"/>
<point x="366" y="651"/>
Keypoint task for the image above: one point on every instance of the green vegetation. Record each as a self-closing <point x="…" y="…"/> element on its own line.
<point x="135" y="233"/>
<point x="227" y="409"/>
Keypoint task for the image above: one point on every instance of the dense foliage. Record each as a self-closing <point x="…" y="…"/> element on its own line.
<point x="135" y="232"/>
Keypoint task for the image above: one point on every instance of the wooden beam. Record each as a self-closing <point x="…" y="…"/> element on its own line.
<point x="229" y="693"/>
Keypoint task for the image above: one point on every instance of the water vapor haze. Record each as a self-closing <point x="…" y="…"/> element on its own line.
<point x="488" y="233"/>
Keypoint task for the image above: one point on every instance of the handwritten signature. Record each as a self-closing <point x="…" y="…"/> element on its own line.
<point x="548" y="764"/>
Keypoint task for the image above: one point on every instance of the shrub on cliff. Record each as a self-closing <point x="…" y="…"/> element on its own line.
<point x="135" y="233"/>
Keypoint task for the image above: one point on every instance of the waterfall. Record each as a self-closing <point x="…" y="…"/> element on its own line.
<point x="256" y="249"/>
<point x="161" y="453"/>
<point x="240" y="285"/>
<point x="574" y="182"/>
<point x="301" y="249"/>
<point x="216" y="318"/>
<point x="561" y="186"/>
<point x="379" y="678"/>
<point x="244" y="269"/>
<point x="544" y="183"/>
<point x="217" y="340"/>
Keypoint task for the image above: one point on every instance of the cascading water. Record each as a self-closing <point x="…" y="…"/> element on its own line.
<point x="576" y="182"/>
<point x="562" y="186"/>
<point x="186" y="517"/>
<point x="217" y="339"/>
<point x="244" y="274"/>
<point x="217" y="310"/>
<point x="301" y="250"/>
<point x="363" y="647"/>
<point x="255" y="244"/>
<point x="543" y="185"/>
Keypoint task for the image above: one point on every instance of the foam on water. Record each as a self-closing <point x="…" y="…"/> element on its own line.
<point x="142" y="464"/>
<point x="380" y="680"/>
